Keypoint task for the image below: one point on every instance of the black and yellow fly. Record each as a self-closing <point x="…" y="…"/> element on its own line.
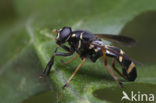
<point x="90" y="46"/>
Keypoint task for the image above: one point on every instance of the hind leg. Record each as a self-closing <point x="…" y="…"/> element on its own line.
<point x="109" y="70"/>
<point x="115" y="69"/>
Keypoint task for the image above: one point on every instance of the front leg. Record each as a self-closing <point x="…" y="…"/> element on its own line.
<point x="51" y="62"/>
<point x="66" y="48"/>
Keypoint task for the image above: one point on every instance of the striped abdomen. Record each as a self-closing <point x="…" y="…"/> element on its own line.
<point x="128" y="66"/>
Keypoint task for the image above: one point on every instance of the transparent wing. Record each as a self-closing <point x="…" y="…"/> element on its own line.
<point x="115" y="51"/>
<point x="121" y="40"/>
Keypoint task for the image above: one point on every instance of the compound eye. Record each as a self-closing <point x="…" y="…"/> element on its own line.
<point x="65" y="32"/>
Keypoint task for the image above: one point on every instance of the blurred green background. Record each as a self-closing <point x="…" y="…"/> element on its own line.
<point x="26" y="45"/>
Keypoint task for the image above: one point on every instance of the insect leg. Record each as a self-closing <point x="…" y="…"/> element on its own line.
<point x="63" y="54"/>
<point x="128" y="65"/>
<point x="51" y="62"/>
<point x="114" y="67"/>
<point x="76" y="70"/>
<point x="70" y="60"/>
<point x="108" y="68"/>
<point x="66" y="48"/>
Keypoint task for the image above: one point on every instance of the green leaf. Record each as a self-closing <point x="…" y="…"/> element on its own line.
<point x="27" y="43"/>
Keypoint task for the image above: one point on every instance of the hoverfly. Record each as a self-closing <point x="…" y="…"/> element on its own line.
<point x="90" y="46"/>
